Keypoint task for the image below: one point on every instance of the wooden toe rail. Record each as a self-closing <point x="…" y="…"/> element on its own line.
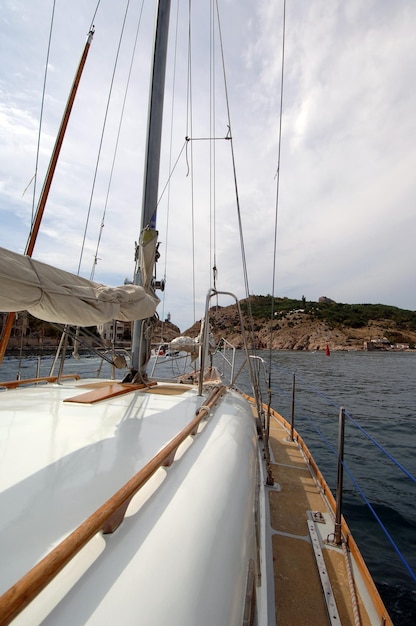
<point x="12" y="384"/>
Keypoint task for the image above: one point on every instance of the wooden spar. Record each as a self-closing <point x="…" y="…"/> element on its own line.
<point x="7" y="329"/>
<point x="47" y="184"/>
<point x="57" y="148"/>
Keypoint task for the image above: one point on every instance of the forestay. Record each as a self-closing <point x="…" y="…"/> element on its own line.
<point x="57" y="296"/>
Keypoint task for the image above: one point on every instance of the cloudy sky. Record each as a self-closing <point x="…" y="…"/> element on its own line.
<point x="347" y="188"/>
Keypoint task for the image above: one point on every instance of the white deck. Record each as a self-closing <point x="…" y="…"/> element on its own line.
<point x="68" y="458"/>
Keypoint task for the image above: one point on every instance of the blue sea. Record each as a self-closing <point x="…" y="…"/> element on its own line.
<point x="378" y="393"/>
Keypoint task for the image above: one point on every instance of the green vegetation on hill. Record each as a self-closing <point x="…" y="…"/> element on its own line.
<point x="333" y="313"/>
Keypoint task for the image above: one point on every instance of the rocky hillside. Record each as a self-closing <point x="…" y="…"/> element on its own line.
<point x="163" y="332"/>
<point x="311" y="328"/>
<point x="296" y="325"/>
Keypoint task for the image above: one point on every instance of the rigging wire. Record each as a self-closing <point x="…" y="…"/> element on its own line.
<point x="102" y="137"/>
<point x="214" y="17"/>
<point x="34" y="178"/>
<point x="212" y="149"/>
<point x="170" y="160"/>
<point x="166" y="187"/>
<point x="189" y="127"/>
<point x="95" y="261"/>
<point x="94" y="14"/>
<point x="229" y="137"/>
<point x="277" y="194"/>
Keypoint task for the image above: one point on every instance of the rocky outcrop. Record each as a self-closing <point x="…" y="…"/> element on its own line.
<point x="163" y="332"/>
<point x="298" y="331"/>
<point x="294" y="330"/>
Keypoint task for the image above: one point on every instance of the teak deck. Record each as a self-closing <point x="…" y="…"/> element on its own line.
<point x="104" y="392"/>
<point x="298" y="591"/>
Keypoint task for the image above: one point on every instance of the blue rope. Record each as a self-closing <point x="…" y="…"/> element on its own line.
<point x="374" y="441"/>
<point x="380" y="447"/>
<point x="353" y="480"/>
<point x="384" y="529"/>
<point x="366" y="501"/>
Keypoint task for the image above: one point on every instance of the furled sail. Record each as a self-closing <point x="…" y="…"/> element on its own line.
<point x="57" y="296"/>
<point x="185" y="344"/>
<point x="192" y="344"/>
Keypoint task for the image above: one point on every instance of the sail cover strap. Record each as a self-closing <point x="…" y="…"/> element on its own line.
<point x="57" y="296"/>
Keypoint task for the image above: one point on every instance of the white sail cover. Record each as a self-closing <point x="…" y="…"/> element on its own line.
<point x="191" y="344"/>
<point x="57" y="296"/>
<point x="185" y="344"/>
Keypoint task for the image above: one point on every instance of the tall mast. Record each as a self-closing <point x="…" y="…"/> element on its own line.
<point x="143" y="274"/>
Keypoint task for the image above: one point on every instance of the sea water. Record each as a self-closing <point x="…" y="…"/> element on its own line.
<point x="378" y="393"/>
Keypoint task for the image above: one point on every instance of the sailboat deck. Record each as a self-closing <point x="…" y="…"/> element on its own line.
<point x="79" y="453"/>
<point x="103" y="443"/>
<point x="78" y="456"/>
<point x="298" y="590"/>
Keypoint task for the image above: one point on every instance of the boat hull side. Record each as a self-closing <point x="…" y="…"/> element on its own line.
<point x="183" y="558"/>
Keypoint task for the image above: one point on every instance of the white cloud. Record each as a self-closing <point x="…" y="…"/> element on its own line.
<point x="347" y="186"/>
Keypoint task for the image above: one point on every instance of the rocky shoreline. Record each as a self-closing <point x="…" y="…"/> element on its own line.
<point x="296" y="331"/>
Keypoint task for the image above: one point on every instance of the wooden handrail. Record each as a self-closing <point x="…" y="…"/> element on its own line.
<point x="106" y="519"/>
<point x="12" y="384"/>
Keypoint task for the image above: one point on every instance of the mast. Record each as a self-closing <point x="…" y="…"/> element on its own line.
<point x="48" y="182"/>
<point x="144" y="269"/>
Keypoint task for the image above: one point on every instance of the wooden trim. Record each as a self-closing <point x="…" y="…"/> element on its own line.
<point x="7" y="329"/>
<point x="106" y="518"/>
<point x="32" y="381"/>
<point x="111" y="390"/>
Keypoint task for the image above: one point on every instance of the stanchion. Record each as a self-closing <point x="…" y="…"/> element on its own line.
<point x="338" y="512"/>
<point x="292" y="419"/>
